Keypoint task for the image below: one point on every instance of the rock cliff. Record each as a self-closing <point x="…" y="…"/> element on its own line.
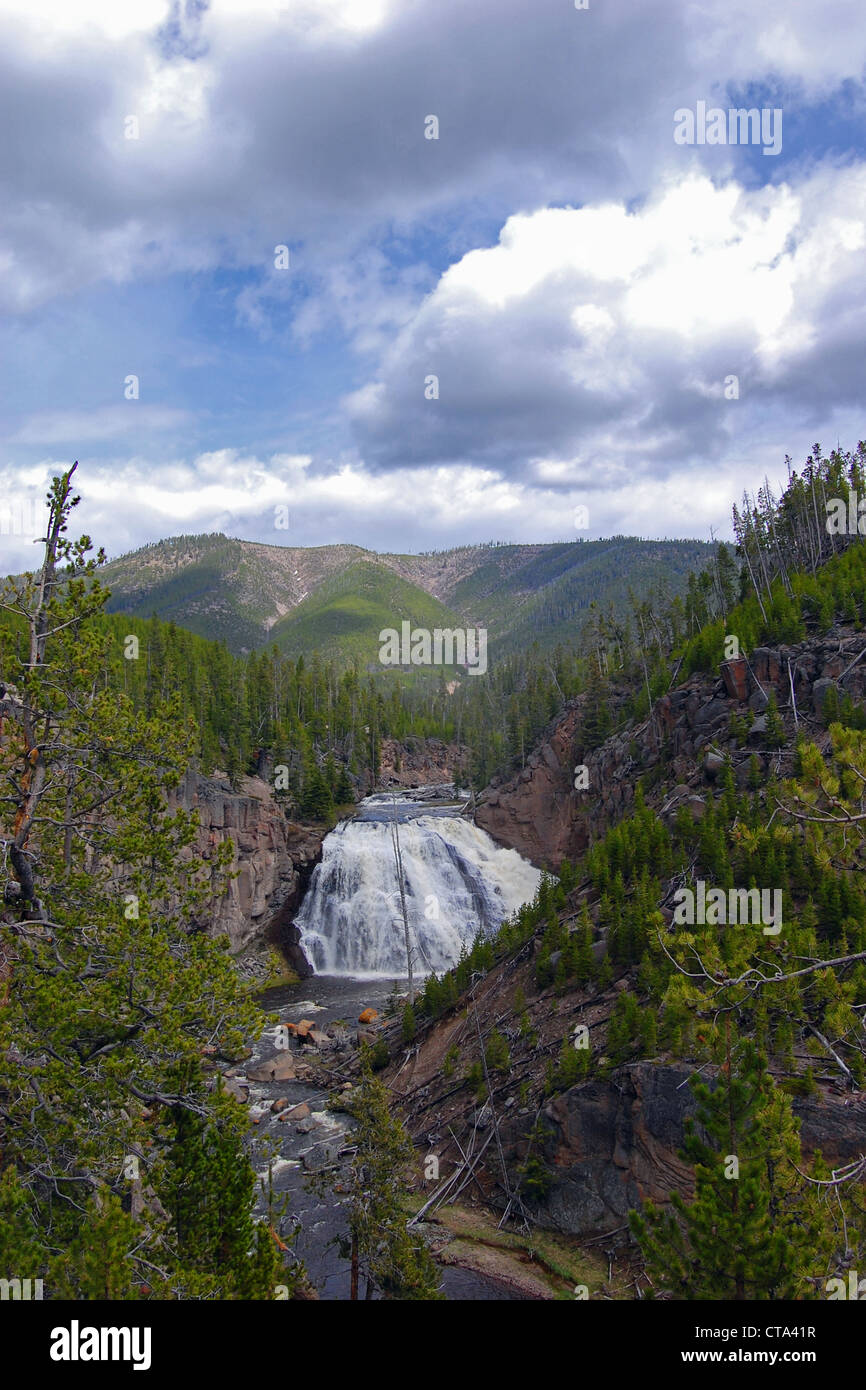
<point x="611" y="1147"/>
<point x="273" y="857"/>
<point x="418" y="762"/>
<point x="538" y="811"/>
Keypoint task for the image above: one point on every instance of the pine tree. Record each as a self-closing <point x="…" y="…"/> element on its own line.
<point x="596" y="722"/>
<point x="408" y="1025"/>
<point x="344" y="794"/>
<point x="96" y="1266"/>
<point x="111" y="991"/>
<point x="775" y="735"/>
<point x="752" y="1230"/>
<point x="316" y="800"/>
<point x="381" y="1246"/>
<point x="584" y="965"/>
<point x="330" y="774"/>
<point x="208" y="1186"/>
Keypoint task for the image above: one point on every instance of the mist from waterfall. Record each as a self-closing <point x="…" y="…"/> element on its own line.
<point x="457" y="881"/>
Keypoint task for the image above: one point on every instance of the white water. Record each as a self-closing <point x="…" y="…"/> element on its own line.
<point x="457" y="881"/>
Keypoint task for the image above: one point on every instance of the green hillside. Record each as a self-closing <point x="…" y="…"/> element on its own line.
<point x="199" y="585"/>
<point x="344" y="617"/>
<point x="543" y="593"/>
<point x="229" y="590"/>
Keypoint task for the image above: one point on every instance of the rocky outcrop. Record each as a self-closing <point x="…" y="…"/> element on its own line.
<point x="612" y="1147"/>
<point x="417" y="762"/>
<point x="540" y="813"/>
<point x="273" y="858"/>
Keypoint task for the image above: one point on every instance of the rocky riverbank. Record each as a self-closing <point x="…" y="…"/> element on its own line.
<point x="295" y="1098"/>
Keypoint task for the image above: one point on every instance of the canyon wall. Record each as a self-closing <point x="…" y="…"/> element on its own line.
<point x="418" y="762"/>
<point x="610" y="1144"/>
<point x="273" y="857"/>
<point x="538" y="811"/>
<point x="611" y="1147"/>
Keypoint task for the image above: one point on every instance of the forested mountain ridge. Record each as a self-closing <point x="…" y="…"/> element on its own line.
<point x="250" y="595"/>
<point x="229" y="590"/>
<point x="308" y="700"/>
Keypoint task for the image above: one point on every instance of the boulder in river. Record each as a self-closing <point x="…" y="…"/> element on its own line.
<point x="279" y="1068"/>
<point x="322" y="1155"/>
<point x="297" y="1112"/>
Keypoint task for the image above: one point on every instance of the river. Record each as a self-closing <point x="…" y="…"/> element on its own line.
<point x="457" y="881"/>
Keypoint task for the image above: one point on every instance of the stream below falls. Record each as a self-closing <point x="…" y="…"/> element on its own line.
<point x="456" y="882"/>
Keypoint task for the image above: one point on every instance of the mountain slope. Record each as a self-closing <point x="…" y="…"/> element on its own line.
<point x="346" y="613"/>
<point x="249" y="594"/>
<point x="543" y="593"/>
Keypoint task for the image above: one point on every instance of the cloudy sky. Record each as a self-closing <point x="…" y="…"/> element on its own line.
<point x="556" y="304"/>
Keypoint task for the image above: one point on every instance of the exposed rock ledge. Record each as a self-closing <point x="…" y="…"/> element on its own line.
<point x="612" y="1146"/>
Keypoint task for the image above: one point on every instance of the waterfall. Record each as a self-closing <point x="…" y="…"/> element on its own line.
<point x="457" y="881"/>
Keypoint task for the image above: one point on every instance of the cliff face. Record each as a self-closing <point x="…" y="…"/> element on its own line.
<point x="538" y="811"/>
<point x="274" y="857"/>
<point x="420" y="762"/>
<point x="613" y="1147"/>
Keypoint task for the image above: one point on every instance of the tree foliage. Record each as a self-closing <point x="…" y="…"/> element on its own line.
<point x="114" y="1001"/>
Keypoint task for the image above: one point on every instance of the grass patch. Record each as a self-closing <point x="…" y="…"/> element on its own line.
<point x="557" y="1261"/>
